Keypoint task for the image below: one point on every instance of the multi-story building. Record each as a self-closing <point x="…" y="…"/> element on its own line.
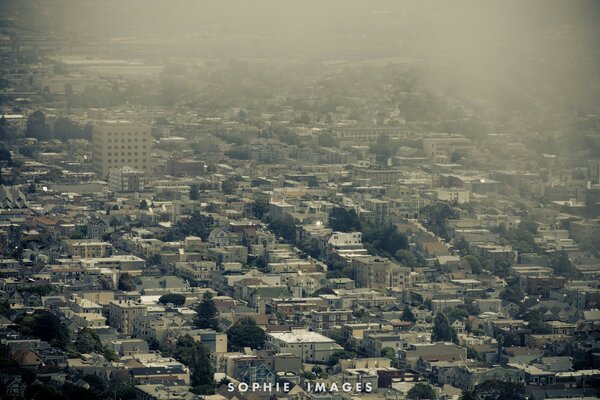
<point x="122" y="314"/>
<point x="89" y="248"/>
<point x="126" y="179"/>
<point x="119" y="143"/>
<point x="379" y="273"/>
<point x="309" y="346"/>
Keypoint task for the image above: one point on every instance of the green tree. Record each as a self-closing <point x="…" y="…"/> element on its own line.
<point x="194" y="192"/>
<point x="342" y="220"/>
<point x="561" y="264"/>
<point x="536" y="323"/>
<point x="261" y="207"/>
<point x="406" y="257"/>
<point x="499" y="390"/>
<point x="245" y="333"/>
<point x="44" y="325"/>
<point x="88" y="341"/>
<point x="407" y="315"/>
<point x="126" y="282"/>
<point x="442" y="331"/>
<point x="143" y="204"/>
<point x="196" y="356"/>
<point x="421" y="391"/>
<point x="284" y="227"/>
<point x="5" y="309"/>
<point x="341" y="355"/>
<point x="474" y="263"/>
<point x="173" y="298"/>
<point x="207" y="315"/>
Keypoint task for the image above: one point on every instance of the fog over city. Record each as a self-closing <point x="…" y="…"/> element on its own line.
<point x="303" y="200"/>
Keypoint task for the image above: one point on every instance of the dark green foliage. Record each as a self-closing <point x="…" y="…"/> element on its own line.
<point x="407" y="315"/>
<point x="326" y="140"/>
<point x="245" y="333"/>
<point x="284" y="227"/>
<point x="384" y="148"/>
<point x="196" y="356"/>
<point x="342" y="220"/>
<point x="406" y="258"/>
<point x="261" y="206"/>
<point x="194" y="192"/>
<point x="474" y="263"/>
<point x="197" y="225"/>
<point x="88" y="341"/>
<point x="143" y="204"/>
<point x="385" y="238"/>
<point x="536" y="323"/>
<point x="126" y="282"/>
<point x="5" y="309"/>
<point x="499" y="390"/>
<point x="513" y="292"/>
<point x="40" y="290"/>
<point x="5" y="156"/>
<point x="421" y="391"/>
<point x="341" y="355"/>
<point x="561" y="264"/>
<point x="323" y="290"/>
<point x="207" y="316"/>
<point x="44" y="325"/>
<point x="442" y="331"/>
<point x="174" y="298"/>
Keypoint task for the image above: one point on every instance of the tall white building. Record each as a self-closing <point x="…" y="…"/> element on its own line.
<point x="126" y="179"/>
<point x="121" y="143"/>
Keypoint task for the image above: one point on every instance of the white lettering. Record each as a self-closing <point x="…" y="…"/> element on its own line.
<point x="320" y="387"/>
<point x="286" y="387"/>
<point x="230" y="387"/>
<point x="333" y="387"/>
<point x="368" y="387"/>
<point x="243" y="387"/>
<point x="347" y="387"/>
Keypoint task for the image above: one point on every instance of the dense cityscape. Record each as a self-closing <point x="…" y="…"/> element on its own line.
<point x="302" y="201"/>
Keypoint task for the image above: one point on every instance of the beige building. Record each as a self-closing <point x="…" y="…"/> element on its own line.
<point x="88" y="248"/>
<point x="119" y="143"/>
<point x="122" y="314"/>
<point x="379" y="273"/>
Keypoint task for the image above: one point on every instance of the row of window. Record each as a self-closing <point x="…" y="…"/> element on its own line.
<point x="123" y="140"/>
<point x="135" y="153"/>
<point x="122" y="147"/>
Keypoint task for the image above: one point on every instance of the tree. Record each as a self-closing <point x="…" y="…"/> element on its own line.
<point x="406" y="257"/>
<point x="5" y="156"/>
<point x="499" y="390"/>
<point x="421" y="391"/>
<point x="561" y="264"/>
<point x="343" y="220"/>
<point x="196" y="356"/>
<point x="442" y="331"/>
<point x="44" y="325"/>
<point x="261" y="207"/>
<point x="5" y="309"/>
<point x="88" y="341"/>
<point x="467" y="395"/>
<point x="385" y="238"/>
<point x="389" y="352"/>
<point x="323" y="290"/>
<point x="245" y="333"/>
<point x="284" y="227"/>
<point x="126" y="282"/>
<point x="340" y="355"/>
<point x="173" y="298"/>
<point x="194" y="192"/>
<point x="143" y="204"/>
<point x="326" y="140"/>
<point x="536" y="323"/>
<point x="474" y="263"/>
<point x="407" y="315"/>
<point x="207" y="315"/>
